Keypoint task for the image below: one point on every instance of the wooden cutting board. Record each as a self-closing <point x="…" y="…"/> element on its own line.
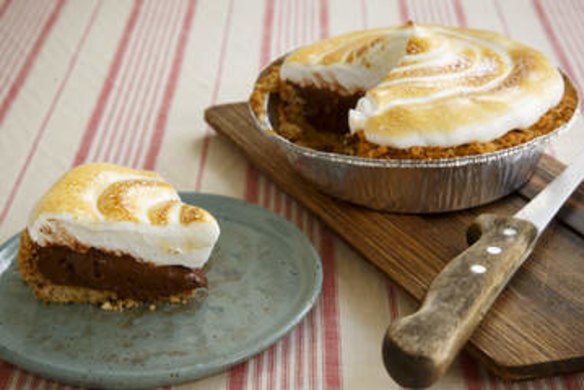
<point x="536" y="326"/>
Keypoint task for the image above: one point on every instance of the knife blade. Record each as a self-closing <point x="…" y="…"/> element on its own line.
<point x="419" y="348"/>
<point x="545" y="205"/>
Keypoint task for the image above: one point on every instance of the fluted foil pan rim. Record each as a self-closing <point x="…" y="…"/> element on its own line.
<point x="410" y="186"/>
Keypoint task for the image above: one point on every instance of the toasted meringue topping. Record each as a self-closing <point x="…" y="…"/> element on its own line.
<point x="347" y="63"/>
<point x="123" y="210"/>
<point x="427" y="85"/>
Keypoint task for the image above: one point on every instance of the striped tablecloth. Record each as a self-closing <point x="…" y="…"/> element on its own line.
<point x="127" y="82"/>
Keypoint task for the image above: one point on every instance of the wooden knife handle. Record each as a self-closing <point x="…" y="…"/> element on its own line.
<point x="419" y="348"/>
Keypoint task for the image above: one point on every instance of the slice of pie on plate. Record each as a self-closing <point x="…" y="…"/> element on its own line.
<point x="116" y="237"/>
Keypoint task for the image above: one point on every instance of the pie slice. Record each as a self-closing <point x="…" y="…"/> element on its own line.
<point x="116" y="237"/>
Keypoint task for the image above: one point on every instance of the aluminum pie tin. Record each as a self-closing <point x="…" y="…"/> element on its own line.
<point x="407" y="185"/>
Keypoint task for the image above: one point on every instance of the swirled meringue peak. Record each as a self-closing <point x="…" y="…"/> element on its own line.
<point x="428" y="85"/>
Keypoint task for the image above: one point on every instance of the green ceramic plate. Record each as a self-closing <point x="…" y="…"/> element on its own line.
<point x="264" y="277"/>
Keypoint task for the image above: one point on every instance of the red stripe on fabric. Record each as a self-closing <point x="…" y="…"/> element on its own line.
<point x="4" y="7"/>
<point x="324" y="18"/>
<point x="237" y="377"/>
<point x="6" y="371"/>
<point x="48" y="115"/>
<point x="552" y="37"/>
<point x="460" y="15"/>
<point x="136" y="57"/>
<point x="152" y="84"/>
<point x="571" y="382"/>
<point x="108" y="85"/>
<point x="160" y="126"/>
<point x="251" y="185"/>
<point x="331" y="324"/>
<point x="404" y="12"/>
<point x="218" y="80"/>
<point x="30" y="60"/>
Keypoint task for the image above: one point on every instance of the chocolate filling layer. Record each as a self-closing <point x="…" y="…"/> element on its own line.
<point x="327" y="110"/>
<point x="123" y="274"/>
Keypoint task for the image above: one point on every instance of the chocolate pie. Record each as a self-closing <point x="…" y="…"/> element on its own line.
<point x="116" y="237"/>
<point x="415" y="92"/>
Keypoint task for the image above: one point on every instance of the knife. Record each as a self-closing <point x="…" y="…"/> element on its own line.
<point x="419" y="348"/>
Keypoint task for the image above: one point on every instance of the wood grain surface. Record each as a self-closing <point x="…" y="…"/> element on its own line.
<point x="534" y="328"/>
